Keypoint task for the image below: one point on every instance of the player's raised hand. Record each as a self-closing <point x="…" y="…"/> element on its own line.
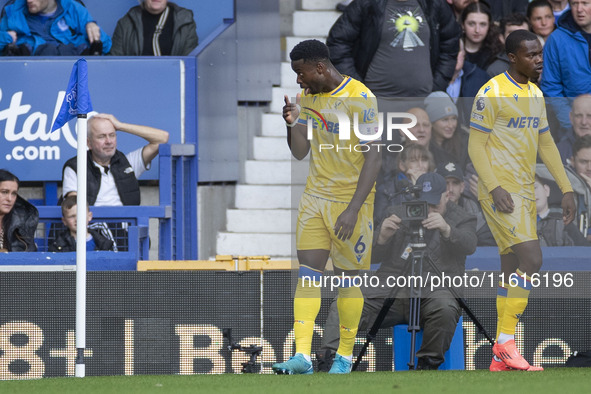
<point x="345" y="224"/>
<point x="502" y="200"/>
<point x="291" y="111"/>
<point x="568" y="207"/>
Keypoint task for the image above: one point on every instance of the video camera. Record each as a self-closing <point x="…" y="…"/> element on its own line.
<point x="415" y="210"/>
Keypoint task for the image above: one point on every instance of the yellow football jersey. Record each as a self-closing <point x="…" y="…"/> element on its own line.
<point x="337" y="157"/>
<point x="514" y="115"/>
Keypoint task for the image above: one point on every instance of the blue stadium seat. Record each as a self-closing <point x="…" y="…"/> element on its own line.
<point x="454" y="357"/>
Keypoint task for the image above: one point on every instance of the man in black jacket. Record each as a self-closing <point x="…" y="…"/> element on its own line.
<point x="450" y="234"/>
<point x="396" y="48"/>
<point x="111" y="175"/>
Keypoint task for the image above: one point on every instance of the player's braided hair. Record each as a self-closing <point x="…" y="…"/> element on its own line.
<point x="310" y="51"/>
<point x="515" y="39"/>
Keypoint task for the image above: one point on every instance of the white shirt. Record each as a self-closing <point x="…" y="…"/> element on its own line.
<point x="107" y="194"/>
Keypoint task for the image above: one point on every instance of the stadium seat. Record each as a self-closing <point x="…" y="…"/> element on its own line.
<point x="454" y="357"/>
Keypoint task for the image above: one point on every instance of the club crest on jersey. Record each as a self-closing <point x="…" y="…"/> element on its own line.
<point x="480" y="104"/>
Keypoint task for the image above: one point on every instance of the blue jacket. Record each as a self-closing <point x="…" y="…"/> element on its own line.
<point x="75" y="16"/>
<point x="567" y="72"/>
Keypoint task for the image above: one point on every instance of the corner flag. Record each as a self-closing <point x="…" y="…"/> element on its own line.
<point x="77" y="105"/>
<point x="77" y="99"/>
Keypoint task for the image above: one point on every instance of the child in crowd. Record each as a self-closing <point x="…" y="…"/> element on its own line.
<point x="65" y="241"/>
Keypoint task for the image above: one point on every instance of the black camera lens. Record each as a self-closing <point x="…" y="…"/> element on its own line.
<point x="415" y="211"/>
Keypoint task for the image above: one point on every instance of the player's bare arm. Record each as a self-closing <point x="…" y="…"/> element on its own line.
<point x="502" y="199"/>
<point x="346" y="221"/>
<point x="296" y="134"/>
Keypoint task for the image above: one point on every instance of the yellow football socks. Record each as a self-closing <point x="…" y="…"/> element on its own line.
<point x="501" y="300"/>
<point x="517" y="297"/>
<point x="350" y="306"/>
<point x="306" y="305"/>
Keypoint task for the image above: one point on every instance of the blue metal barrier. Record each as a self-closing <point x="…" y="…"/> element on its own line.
<point x="178" y="191"/>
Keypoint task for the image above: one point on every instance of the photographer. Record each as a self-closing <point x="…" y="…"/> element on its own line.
<point x="450" y="235"/>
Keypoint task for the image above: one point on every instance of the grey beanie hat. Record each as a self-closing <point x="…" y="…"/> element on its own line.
<point x="439" y="105"/>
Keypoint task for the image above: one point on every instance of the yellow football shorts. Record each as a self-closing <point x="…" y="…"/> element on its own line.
<point x="315" y="230"/>
<point x="510" y="229"/>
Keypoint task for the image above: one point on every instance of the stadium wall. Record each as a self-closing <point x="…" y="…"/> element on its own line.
<point x="172" y="323"/>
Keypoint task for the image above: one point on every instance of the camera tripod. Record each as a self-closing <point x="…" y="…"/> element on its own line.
<point x="418" y="246"/>
<point x="251" y="365"/>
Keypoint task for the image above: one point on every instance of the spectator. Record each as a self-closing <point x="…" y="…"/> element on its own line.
<point x="541" y="18"/>
<point x="413" y="161"/>
<point x="450" y="235"/>
<point x="481" y="39"/>
<point x="580" y="118"/>
<point x="458" y="6"/>
<point x="581" y="164"/>
<point x="112" y="177"/>
<point x="581" y="160"/>
<point x="66" y="240"/>
<point x="422" y="130"/>
<point x="448" y="143"/>
<point x="18" y="218"/>
<point x="467" y="80"/>
<point x="155" y="28"/>
<point x="396" y="59"/>
<point x="567" y="72"/>
<point x="503" y="8"/>
<point x="551" y="228"/>
<point x="559" y="7"/>
<point x="50" y="28"/>
<point x="454" y="178"/>
<point x="508" y="25"/>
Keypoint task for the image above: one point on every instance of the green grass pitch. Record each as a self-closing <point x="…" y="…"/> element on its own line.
<point x="552" y="380"/>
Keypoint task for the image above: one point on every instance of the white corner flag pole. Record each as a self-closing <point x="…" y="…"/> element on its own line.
<point x="81" y="247"/>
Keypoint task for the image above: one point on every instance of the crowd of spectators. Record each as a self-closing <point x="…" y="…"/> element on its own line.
<point x="428" y="57"/>
<point x="66" y="28"/>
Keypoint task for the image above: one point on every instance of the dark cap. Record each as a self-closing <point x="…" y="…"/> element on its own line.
<point x="433" y="185"/>
<point x="450" y="169"/>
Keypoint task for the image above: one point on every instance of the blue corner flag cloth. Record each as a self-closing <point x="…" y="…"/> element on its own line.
<point x="77" y="99"/>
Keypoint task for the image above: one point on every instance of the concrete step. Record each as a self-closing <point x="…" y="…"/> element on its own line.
<point x="273" y="126"/>
<point x="261" y="220"/>
<point x="268" y="196"/>
<point x="278" y="98"/>
<point x="328" y="5"/>
<point x="259" y="172"/>
<point x="291" y="41"/>
<point x="288" y="76"/>
<point x="271" y="148"/>
<point x="313" y="23"/>
<point x="261" y="244"/>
